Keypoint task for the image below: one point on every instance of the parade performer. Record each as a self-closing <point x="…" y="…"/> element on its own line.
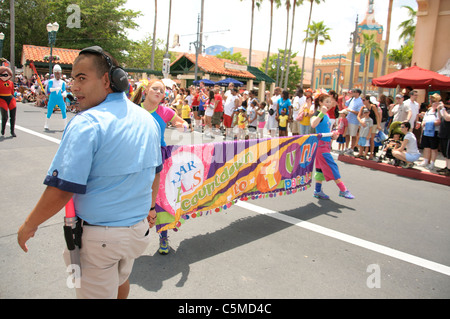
<point x="326" y="167"/>
<point x="56" y="89"/>
<point x="7" y="100"/>
<point x="154" y="94"/>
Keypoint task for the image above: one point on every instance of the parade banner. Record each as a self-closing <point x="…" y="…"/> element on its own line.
<point x="202" y="179"/>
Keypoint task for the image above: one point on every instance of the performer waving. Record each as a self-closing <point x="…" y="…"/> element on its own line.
<point x="7" y="100"/>
<point x="326" y="167"/>
<point x="56" y="89"/>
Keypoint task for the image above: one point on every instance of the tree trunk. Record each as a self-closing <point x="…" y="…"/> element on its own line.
<point x="314" y="61"/>
<point x="285" y="47"/>
<point x="13" y="39"/>
<point x="366" y="71"/>
<point x="270" y="36"/>
<point x="290" y="47"/>
<point x="251" y="35"/>
<point x="152" y="66"/>
<point x="168" y="27"/>
<point x="386" y="44"/>
<point x="304" y="52"/>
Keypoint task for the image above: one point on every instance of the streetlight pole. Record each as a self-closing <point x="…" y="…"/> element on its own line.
<point x="277" y="66"/>
<point x="52" y="28"/>
<point x="355" y="40"/>
<point x="338" y="73"/>
<point x="197" y="45"/>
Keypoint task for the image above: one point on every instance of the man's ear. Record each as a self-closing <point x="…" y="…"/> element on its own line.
<point x="106" y="82"/>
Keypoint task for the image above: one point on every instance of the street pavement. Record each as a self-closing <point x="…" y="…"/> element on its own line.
<point x="391" y="241"/>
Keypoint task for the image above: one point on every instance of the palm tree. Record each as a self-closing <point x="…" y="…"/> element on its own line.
<point x="369" y="47"/>
<point x="408" y="27"/>
<point x="278" y="3"/>
<point x="295" y="4"/>
<point x="168" y="27"/>
<point x="386" y="44"/>
<point x="256" y="3"/>
<point x="288" y="8"/>
<point x="152" y="66"/>
<point x="307" y="29"/>
<point x="317" y="34"/>
<point x="402" y="56"/>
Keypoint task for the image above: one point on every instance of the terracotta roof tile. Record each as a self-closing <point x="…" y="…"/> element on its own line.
<point x="33" y="53"/>
<point x="215" y="65"/>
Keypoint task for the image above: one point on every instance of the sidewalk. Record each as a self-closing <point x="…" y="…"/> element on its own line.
<point x="416" y="172"/>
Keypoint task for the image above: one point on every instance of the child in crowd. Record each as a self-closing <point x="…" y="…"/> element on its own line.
<point x="261" y="119"/>
<point x="341" y="127"/>
<point x="186" y="113"/>
<point x="282" y="122"/>
<point x="242" y="119"/>
<point x="234" y="124"/>
<point x="252" y="119"/>
<point x="365" y="128"/>
<point x="390" y="145"/>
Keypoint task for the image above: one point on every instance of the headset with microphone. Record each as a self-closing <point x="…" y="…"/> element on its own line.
<point x="117" y="76"/>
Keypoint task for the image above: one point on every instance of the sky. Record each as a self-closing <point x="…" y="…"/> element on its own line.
<point x="227" y="23"/>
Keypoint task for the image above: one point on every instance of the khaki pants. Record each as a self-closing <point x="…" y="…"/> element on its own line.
<point x="107" y="255"/>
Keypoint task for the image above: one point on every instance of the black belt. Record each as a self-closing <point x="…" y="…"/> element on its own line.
<point x="85" y="223"/>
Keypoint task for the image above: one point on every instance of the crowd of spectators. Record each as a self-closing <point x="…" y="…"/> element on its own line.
<point x="236" y="114"/>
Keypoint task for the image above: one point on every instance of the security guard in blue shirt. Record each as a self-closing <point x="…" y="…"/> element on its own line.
<point x="106" y="161"/>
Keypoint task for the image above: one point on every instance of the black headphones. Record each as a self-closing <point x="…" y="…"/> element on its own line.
<point x="117" y="76"/>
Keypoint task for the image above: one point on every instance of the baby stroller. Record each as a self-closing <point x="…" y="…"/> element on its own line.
<point x="395" y="139"/>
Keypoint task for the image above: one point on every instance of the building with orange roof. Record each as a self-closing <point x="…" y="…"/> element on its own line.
<point x="182" y="69"/>
<point x="39" y="56"/>
<point x="215" y="69"/>
<point x="209" y="67"/>
<point x="65" y="58"/>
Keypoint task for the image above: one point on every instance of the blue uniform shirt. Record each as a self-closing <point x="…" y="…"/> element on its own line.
<point x="107" y="157"/>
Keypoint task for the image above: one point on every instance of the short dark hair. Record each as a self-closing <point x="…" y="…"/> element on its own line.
<point x="100" y="62"/>
<point x="406" y="124"/>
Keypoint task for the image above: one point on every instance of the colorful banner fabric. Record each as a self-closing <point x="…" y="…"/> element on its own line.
<point x="201" y="179"/>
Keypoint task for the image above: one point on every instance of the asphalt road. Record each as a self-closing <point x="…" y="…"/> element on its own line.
<point x="391" y="241"/>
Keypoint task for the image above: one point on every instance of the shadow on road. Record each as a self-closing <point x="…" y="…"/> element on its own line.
<point x="150" y="272"/>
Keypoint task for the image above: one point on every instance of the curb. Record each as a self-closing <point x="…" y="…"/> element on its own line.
<point x="406" y="172"/>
